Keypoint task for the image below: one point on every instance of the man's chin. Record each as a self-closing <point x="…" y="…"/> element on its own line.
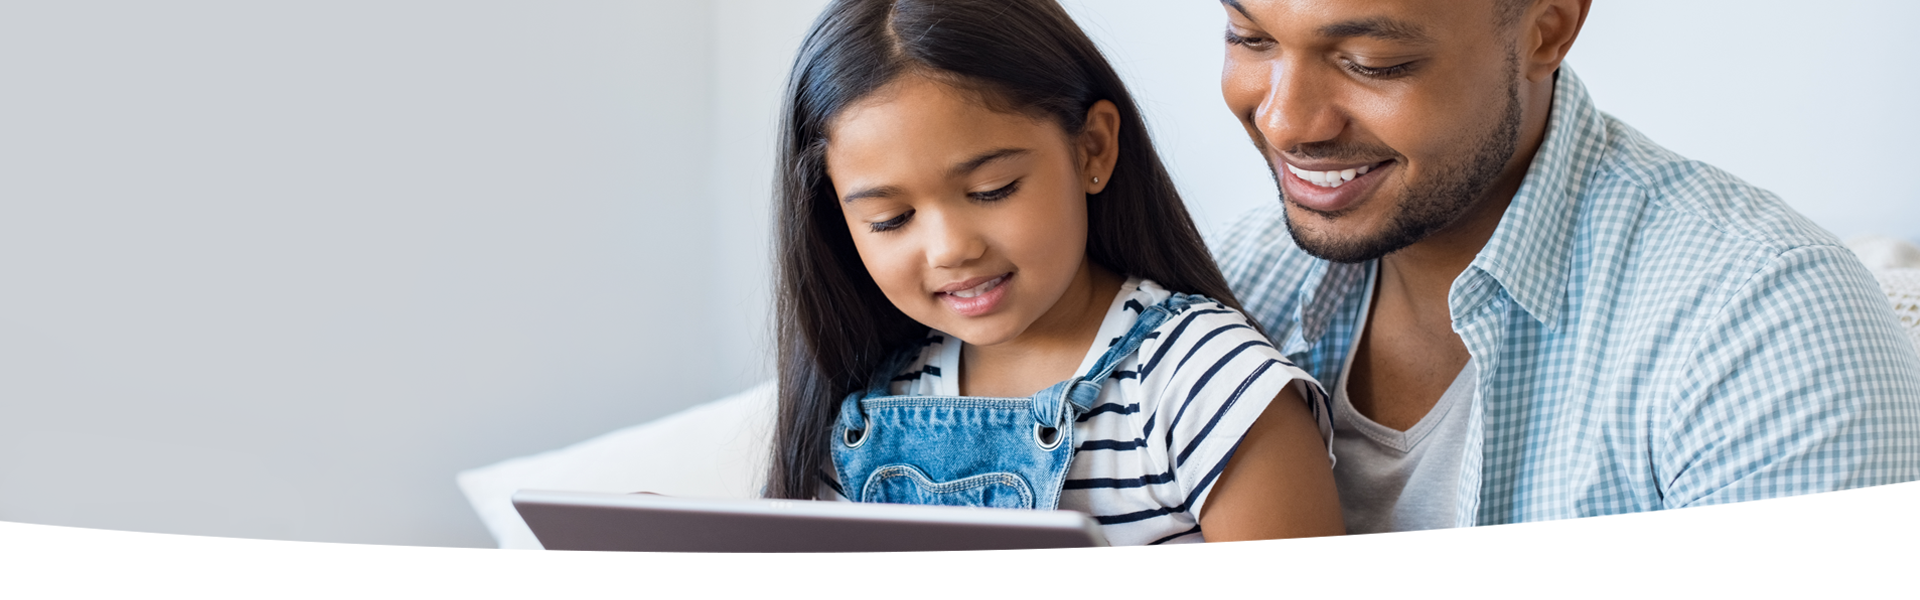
<point x="1332" y="238"/>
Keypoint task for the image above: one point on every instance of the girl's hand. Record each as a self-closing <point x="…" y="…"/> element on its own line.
<point x="1279" y="483"/>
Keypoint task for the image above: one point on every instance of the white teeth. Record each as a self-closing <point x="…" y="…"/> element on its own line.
<point x="978" y="289"/>
<point x="1332" y="179"/>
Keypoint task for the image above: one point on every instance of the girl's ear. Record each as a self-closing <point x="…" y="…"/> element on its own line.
<point x="1099" y="146"/>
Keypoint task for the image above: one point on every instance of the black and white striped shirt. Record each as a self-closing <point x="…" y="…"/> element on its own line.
<point x="1167" y="420"/>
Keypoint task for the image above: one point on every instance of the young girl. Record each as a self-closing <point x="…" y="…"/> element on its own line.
<point x="991" y="295"/>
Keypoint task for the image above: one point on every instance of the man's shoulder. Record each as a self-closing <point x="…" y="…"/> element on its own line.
<point x="1693" y="243"/>
<point x="1740" y="348"/>
<point x="1669" y="199"/>
<point x="1689" y="237"/>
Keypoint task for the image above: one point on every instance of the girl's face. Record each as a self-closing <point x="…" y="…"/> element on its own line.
<point x="972" y="221"/>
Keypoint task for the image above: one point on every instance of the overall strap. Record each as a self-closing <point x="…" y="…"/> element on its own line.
<point x="1084" y="390"/>
<point x="851" y="414"/>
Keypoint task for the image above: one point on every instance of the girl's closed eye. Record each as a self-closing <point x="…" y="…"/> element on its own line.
<point x="891" y="224"/>
<point x="994" y="195"/>
<point x="997" y="194"/>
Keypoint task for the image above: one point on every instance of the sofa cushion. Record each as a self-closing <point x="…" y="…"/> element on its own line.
<point x="1903" y="289"/>
<point x="714" y="450"/>
<point x="1896" y="265"/>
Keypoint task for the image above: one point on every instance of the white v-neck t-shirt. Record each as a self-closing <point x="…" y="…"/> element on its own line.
<point x="1393" y="480"/>
<point x="1166" y="422"/>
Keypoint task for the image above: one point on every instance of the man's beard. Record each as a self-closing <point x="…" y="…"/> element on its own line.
<point x="1426" y="206"/>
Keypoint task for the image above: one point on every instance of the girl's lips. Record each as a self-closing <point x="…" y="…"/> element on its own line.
<point x="980" y="304"/>
<point x="1331" y="200"/>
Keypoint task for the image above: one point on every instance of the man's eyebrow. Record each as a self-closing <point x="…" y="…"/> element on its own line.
<point x="974" y="164"/>
<point x="1235" y="4"/>
<point x="1377" y="27"/>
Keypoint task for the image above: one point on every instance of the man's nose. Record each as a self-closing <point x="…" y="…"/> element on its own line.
<point x="1299" y="107"/>
<point x="954" y="241"/>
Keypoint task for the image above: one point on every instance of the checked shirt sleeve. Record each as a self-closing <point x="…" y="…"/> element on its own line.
<point x="1800" y="383"/>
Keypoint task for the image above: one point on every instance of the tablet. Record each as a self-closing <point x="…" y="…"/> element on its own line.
<point x="650" y="523"/>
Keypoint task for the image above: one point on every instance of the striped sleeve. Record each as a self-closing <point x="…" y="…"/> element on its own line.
<point x="1211" y="375"/>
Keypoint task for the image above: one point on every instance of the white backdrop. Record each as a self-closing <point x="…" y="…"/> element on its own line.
<point x="279" y="270"/>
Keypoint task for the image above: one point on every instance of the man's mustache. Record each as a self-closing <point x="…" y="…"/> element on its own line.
<point x="1337" y="151"/>
<point x="1342" y="151"/>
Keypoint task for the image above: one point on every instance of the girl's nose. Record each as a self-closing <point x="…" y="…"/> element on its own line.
<point x="954" y="242"/>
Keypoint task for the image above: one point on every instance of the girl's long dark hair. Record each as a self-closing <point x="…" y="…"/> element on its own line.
<point x="835" y="327"/>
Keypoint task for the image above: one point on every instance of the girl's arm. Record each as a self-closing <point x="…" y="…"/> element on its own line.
<point x="1279" y="483"/>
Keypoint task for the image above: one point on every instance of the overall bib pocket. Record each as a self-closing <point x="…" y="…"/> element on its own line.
<point x="904" y="484"/>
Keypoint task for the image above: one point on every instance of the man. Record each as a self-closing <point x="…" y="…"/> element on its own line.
<point x="1526" y="310"/>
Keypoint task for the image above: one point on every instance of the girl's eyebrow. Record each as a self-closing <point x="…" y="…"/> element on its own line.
<point x="958" y="170"/>
<point x="872" y="192"/>
<point x="974" y="164"/>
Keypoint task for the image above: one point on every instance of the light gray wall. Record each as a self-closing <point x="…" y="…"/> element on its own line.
<point x="1814" y="101"/>
<point x="280" y="270"/>
<point x="753" y="46"/>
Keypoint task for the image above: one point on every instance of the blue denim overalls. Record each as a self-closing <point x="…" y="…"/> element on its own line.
<point x="966" y="451"/>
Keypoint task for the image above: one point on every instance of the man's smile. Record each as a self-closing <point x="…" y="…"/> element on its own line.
<point x="1332" y="189"/>
<point x="1333" y="177"/>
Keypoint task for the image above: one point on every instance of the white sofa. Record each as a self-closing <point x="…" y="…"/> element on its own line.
<point x="718" y="449"/>
<point x="1897" y="265"/>
<point x="714" y="450"/>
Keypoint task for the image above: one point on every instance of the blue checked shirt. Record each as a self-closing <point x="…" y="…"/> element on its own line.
<point x="1650" y="333"/>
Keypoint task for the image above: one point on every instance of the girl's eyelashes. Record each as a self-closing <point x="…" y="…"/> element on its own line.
<point x="891" y="224"/>
<point x="993" y="195"/>
<point x="996" y="195"/>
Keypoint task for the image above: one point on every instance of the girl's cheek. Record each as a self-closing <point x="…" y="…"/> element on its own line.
<point x="891" y="268"/>
<point x="1059" y="232"/>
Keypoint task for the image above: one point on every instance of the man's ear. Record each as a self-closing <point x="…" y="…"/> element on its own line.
<point x="1099" y="146"/>
<point x="1547" y="34"/>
